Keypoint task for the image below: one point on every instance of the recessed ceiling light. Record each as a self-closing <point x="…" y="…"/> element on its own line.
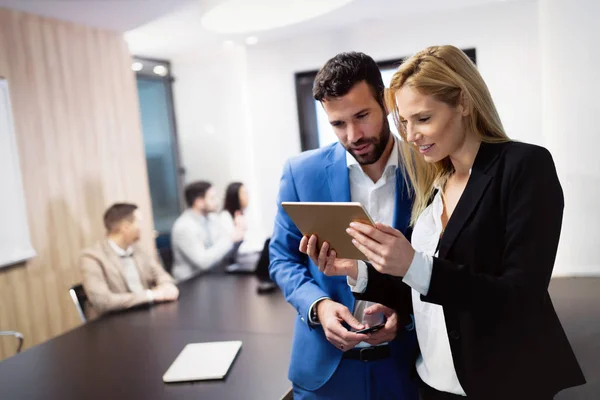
<point x="137" y="66"/>
<point x="242" y="16"/>
<point x="228" y="44"/>
<point x="251" y="40"/>
<point x="160" y="70"/>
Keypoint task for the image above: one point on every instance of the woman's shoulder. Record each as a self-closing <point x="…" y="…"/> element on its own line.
<point x="517" y="155"/>
<point x="519" y="151"/>
<point x="524" y="162"/>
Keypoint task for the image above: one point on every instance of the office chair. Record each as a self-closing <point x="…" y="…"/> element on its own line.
<point x="289" y="395"/>
<point x="79" y="299"/>
<point x="166" y="256"/>
<point x="17" y="335"/>
<point x="165" y="252"/>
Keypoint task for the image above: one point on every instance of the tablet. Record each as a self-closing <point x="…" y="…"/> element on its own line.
<point x="329" y="222"/>
<point x="203" y="361"/>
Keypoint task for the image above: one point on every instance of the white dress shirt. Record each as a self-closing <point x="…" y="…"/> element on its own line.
<point x="199" y="243"/>
<point x="130" y="271"/>
<point x="378" y="198"/>
<point x="132" y="276"/>
<point x="435" y="365"/>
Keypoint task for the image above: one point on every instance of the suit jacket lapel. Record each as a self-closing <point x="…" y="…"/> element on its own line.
<point x="114" y="266"/>
<point x="339" y="188"/>
<point x="403" y="203"/>
<point x="139" y="260"/>
<point x="476" y="187"/>
<point x="337" y="175"/>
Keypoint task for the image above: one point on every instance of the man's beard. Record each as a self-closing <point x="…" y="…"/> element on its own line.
<point x="379" y="143"/>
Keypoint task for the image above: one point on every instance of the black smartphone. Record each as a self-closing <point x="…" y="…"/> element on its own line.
<point x="372" y="329"/>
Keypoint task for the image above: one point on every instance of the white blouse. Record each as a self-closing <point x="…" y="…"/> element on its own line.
<point x="434" y="365"/>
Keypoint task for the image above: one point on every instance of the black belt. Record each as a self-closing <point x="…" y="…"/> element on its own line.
<point x="372" y="353"/>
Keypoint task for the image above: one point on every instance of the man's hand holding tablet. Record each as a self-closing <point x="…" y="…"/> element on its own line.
<point x="326" y="258"/>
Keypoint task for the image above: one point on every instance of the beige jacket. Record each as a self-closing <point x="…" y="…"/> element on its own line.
<point x="105" y="284"/>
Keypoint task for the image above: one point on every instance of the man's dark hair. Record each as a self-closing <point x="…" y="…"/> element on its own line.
<point x="196" y="190"/>
<point x="342" y="72"/>
<point x="232" y="198"/>
<point x="117" y="213"/>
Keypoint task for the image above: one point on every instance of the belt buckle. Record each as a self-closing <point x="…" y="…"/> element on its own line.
<point x="365" y="352"/>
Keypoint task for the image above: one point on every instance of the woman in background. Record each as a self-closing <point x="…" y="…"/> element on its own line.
<point x="236" y="202"/>
<point x="487" y="218"/>
<point x="232" y="216"/>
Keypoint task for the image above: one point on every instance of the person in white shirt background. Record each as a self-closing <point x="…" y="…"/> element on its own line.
<point x="487" y="218"/>
<point x="198" y="238"/>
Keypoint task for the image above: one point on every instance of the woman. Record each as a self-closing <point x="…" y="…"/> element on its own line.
<point x="487" y="218"/>
<point x="236" y="201"/>
<point x="232" y="216"/>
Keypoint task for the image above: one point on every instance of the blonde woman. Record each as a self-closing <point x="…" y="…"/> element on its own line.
<point x="487" y="218"/>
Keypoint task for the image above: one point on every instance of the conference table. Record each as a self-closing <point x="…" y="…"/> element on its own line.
<point x="124" y="356"/>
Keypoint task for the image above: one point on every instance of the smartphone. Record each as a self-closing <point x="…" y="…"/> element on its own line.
<point x="372" y="329"/>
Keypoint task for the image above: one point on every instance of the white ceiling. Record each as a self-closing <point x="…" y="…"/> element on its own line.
<point x="181" y="31"/>
<point x="118" y="15"/>
<point x="164" y="28"/>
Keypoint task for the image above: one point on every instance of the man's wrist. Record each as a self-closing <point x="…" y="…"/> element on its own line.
<point x="314" y="311"/>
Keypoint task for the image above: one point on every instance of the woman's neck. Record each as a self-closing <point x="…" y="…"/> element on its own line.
<point x="463" y="159"/>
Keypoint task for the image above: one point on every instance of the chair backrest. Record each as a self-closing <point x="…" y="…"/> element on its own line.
<point x="163" y="245"/>
<point x="17" y="335"/>
<point x="289" y="395"/>
<point x="79" y="299"/>
<point x="166" y="256"/>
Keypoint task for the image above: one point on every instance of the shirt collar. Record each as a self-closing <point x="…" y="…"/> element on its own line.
<point x="203" y="219"/>
<point x="120" y="252"/>
<point x="392" y="161"/>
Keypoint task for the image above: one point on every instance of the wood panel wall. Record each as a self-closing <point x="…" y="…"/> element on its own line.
<point x="79" y="135"/>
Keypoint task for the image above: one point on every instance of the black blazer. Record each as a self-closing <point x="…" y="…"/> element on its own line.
<point x="492" y="275"/>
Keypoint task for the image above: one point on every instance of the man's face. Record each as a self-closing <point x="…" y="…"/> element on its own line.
<point x="359" y="122"/>
<point x="130" y="227"/>
<point x="209" y="203"/>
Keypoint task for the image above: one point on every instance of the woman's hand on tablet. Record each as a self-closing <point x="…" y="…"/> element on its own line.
<point x="326" y="259"/>
<point x="386" y="248"/>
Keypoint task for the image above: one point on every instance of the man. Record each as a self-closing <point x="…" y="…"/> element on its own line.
<point x="328" y="361"/>
<point x="117" y="274"/>
<point x="198" y="239"/>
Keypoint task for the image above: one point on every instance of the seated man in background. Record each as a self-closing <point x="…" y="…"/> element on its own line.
<point x="198" y="238"/>
<point x="117" y="274"/>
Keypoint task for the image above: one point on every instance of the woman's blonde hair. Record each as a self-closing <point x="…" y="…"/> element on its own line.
<point x="447" y="74"/>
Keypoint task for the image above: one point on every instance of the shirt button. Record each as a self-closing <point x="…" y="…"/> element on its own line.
<point x="453" y="334"/>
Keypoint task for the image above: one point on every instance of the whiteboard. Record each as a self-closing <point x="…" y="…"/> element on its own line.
<point x="15" y="243"/>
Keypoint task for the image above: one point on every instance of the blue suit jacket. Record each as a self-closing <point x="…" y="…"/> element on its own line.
<point x="318" y="176"/>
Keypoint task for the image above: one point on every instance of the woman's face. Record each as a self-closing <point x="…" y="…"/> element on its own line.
<point x="243" y="193"/>
<point x="436" y="128"/>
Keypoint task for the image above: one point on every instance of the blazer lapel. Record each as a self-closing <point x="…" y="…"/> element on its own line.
<point x="403" y="203"/>
<point x="114" y="265"/>
<point x="476" y="187"/>
<point x="337" y="175"/>
<point x="339" y="188"/>
<point x="139" y="260"/>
